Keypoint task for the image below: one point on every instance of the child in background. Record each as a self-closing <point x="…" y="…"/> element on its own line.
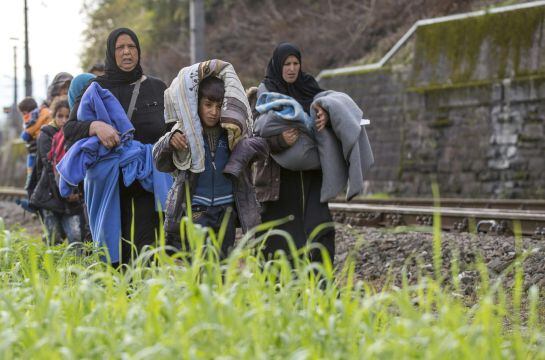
<point x="34" y="118"/>
<point x="61" y="216"/>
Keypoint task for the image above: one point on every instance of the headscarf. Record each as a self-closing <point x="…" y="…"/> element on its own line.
<point x="113" y="75"/>
<point x="56" y="85"/>
<point x="77" y="86"/>
<point x="303" y="89"/>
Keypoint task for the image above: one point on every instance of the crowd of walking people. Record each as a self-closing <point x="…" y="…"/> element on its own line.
<point x="113" y="152"/>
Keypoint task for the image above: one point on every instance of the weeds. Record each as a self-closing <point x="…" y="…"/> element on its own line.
<point x="56" y="304"/>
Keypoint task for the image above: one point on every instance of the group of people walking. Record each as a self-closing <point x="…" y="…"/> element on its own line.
<point x="203" y="136"/>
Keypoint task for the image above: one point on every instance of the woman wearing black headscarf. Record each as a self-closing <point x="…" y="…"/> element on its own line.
<point x="122" y="71"/>
<point x="283" y="192"/>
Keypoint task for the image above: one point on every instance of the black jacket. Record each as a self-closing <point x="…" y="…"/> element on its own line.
<point x="148" y="109"/>
<point x="46" y="193"/>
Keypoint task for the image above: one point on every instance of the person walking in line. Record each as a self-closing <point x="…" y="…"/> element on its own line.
<point x="141" y="96"/>
<point x="209" y="151"/>
<point x="283" y="192"/>
<point x="61" y="217"/>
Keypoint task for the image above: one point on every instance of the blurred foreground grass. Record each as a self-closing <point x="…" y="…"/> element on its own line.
<point x="55" y="304"/>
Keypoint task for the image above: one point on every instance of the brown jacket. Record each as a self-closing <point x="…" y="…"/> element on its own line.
<point x="266" y="172"/>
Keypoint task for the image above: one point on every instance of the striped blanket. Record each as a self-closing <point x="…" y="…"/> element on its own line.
<point x="181" y="106"/>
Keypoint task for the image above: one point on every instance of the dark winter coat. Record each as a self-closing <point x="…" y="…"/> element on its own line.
<point x="237" y="168"/>
<point x="46" y="193"/>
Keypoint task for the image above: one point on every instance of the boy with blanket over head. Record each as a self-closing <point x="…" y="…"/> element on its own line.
<point x="209" y="151"/>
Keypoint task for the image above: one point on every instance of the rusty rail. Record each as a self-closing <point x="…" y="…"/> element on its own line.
<point x="522" y="204"/>
<point x="462" y="215"/>
<point x="9" y="192"/>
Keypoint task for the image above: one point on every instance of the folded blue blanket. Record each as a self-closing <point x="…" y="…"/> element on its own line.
<point x="100" y="167"/>
<point x="285" y="107"/>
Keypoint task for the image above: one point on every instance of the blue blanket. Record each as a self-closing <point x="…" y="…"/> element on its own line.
<point x="100" y="167"/>
<point x="282" y="112"/>
<point x="285" y="107"/>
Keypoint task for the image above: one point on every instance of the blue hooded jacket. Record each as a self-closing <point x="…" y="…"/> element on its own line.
<point x="100" y="167"/>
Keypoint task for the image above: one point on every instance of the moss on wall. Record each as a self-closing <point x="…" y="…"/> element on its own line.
<point x="501" y="40"/>
<point x="385" y="69"/>
<point x="440" y="123"/>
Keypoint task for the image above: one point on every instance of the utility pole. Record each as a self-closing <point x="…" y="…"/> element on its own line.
<point x="15" y="76"/>
<point x="46" y="82"/>
<point x="28" y="74"/>
<point x="196" y="27"/>
<point x="15" y="120"/>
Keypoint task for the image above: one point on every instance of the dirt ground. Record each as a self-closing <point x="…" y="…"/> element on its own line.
<point x="381" y="255"/>
<point x="14" y="215"/>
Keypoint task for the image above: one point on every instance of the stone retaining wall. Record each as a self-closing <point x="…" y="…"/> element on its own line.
<point x="475" y="125"/>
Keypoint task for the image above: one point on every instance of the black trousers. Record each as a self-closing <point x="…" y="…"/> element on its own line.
<point x="211" y="217"/>
<point x="300" y="197"/>
<point x="139" y="221"/>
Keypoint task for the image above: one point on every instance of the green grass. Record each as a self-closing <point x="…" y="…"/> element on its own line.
<point x="56" y="305"/>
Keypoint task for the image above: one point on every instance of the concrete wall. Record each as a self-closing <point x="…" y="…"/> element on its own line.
<point x="473" y="122"/>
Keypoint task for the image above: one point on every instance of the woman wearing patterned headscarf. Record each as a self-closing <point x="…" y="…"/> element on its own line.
<point x="122" y="71"/>
<point x="284" y="192"/>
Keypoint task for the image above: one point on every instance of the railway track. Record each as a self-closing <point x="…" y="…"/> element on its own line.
<point x="508" y="204"/>
<point x="462" y="215"/>
<point x="501" y="217"/>
<point x="12" y="193"/>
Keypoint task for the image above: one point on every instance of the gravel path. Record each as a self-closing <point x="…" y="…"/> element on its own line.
<point x="382" y="254"/>
<point x="14" y="216"/>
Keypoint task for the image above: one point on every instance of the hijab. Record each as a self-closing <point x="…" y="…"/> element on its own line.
<point x="303" y="89"/>
<point x="77" y="86"/>
<point x="57" y="84"/>
<point x="113" y="75"/>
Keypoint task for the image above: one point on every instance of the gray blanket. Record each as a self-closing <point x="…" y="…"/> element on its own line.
<point x="303" y="155"/>
<point x="342" y="149"/>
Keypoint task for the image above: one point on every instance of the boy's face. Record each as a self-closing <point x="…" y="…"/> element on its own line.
<point x="209" y="112"/>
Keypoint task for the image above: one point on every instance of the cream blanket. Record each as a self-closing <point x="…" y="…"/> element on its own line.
<point x="181" y="106"/>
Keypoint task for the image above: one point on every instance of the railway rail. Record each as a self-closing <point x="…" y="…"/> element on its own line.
<point x="501" y="217"/>
<point x="12" y="193"/>
<point x="462" y="215"/>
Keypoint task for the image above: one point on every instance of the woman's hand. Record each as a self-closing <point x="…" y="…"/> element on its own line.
<point x="178" y="141"/>
<point x="108" y="136"/>
<point x="73" y="197"/>
<point x="290" y="136"/>
<point x="322" y="117"/>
